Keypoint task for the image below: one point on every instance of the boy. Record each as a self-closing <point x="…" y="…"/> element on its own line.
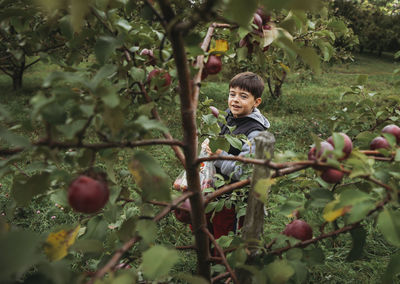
<point x="245" y="90"/>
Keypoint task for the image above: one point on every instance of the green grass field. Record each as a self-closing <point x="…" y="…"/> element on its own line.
<point x="305" y="108"/>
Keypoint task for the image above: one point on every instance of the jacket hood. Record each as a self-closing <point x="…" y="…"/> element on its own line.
<point x="257" y="116"/>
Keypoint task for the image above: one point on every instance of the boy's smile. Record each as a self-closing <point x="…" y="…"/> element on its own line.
<point x="241" y="102"/>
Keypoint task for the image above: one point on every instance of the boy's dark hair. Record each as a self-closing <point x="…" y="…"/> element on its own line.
<point x="249" y="82"/>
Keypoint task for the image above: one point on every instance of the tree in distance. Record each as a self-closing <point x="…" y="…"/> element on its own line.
<point x="347" y="148"/>
<point x="332" y="175"/>
<point x="298" y="229"/>
<point x="87" y="195"/>
<point x="161" y="75"/>
<point x="213" y="65"/>
<point x="183" y="215"/>
<point x="379" y="143"/>
<point x="394" y="130"/>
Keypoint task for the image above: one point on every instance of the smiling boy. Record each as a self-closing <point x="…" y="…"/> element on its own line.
<point x="245" y="90"/>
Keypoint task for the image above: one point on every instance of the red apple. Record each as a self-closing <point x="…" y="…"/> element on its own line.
<point x="324" y="146"/>
<point x="299" y="229"/>
<point x="379" y="143"/>
<point x="394" y="130"/>
<point x="347" y="148"/>
<point x="183" y="215"/>
<point x="213" y="64"/>
<point x="149" y="53"/>
<point x="313" y="156"/>
<point x="162" y="75"/>
<point x="214" y="111"/>
<point x="87" y="195"/>
<point x="265" y="18"/>
<point x="332" y="175"/>
<point x="257" y="20"/>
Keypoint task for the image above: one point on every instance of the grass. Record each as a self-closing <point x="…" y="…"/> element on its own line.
<point x="304" y="108"/>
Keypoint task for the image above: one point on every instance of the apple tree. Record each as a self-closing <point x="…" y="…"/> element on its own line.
<point x="140" y="56"/>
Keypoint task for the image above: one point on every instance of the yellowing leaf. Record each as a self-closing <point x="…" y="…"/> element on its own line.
<point x="57" y="243"/>
<point x="331" y="214"/>
<point x="261" y="189"/>
<point x="220" y="47"/>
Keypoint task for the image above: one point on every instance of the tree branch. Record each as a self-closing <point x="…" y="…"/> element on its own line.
<point x="347" y="228"/>
<point x="127" y="245"/>
<point x="94" y="146"/>
<point x="221" y="253"/>
<point x="155" y="114"/>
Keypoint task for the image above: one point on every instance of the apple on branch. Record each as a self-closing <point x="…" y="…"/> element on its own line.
<point x="161" y="75"/>
<point x="347" y="148"/>
<point x="394" y="130"/>
<point x="183" y="215"/>
<point x="299" y="229"/>
<point x="213" y="65"/>
<point x="379" y="143"/>
<point x="87" y="195"/>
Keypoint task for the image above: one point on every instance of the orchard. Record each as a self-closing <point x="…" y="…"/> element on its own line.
<point x="100" y="170"/>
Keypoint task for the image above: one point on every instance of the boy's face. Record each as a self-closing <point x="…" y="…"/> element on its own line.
<point x="241" y="102"/>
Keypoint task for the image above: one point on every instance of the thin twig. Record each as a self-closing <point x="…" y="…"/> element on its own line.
<point x="127" y="245"/>
<point x="221" y="253"/>
<point x="95" y="146"/>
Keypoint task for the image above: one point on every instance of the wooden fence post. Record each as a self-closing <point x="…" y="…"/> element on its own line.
<point x="254" y="219"/>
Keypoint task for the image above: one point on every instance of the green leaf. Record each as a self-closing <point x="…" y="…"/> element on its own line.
<point x="235" y="142"/>
<point x="104" y="47"/>
<point x="105" y="72"/>
<point x="137" y="74"/>
<point x="397" y="158"/>
<point x="150" y="177"/>
<point x="392" y="269"/>
<point x="13" y="139"/>
<point x="19" y="252"/>
<point x="314" y="256"/>
<point x="124" y="24"/>
<point x="24" y="189"/>
<point x="191" y="279"/>
<point x="219" y="143"/>
<point x="359" y="236"/>
<point x="241" y="12"/>
<point x="127" y="229"/>
<point x="289" y="206"/>
<point x="359" y="211"/>
<point x="114" y="118"/>
<point x="320" y="197"/>
<point x="87" y="246"/>
<point x="147" y="229"/>
<point x="125" y="277"/>
<point x="69" y="130"/>
<point x="389" y="225"/>
<point x="279" y="271"/>
<point x="157" y="261"/>
<point x="311" y="58"/>
<point x="149" y="124"/>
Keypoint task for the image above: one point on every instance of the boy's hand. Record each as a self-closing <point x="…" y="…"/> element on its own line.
<point x="209" y="152"/>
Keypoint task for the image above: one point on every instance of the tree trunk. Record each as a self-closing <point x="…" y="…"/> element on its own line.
<point x="254" y="219"/>
<point x="17" y="75"/>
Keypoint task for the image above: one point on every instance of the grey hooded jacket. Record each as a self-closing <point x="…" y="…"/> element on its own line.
<point x="227" y="167"/>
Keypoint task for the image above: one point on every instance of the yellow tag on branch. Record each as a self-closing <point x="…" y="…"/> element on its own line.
<point x="57" y="243"/>
<point x="220" y="47"/>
